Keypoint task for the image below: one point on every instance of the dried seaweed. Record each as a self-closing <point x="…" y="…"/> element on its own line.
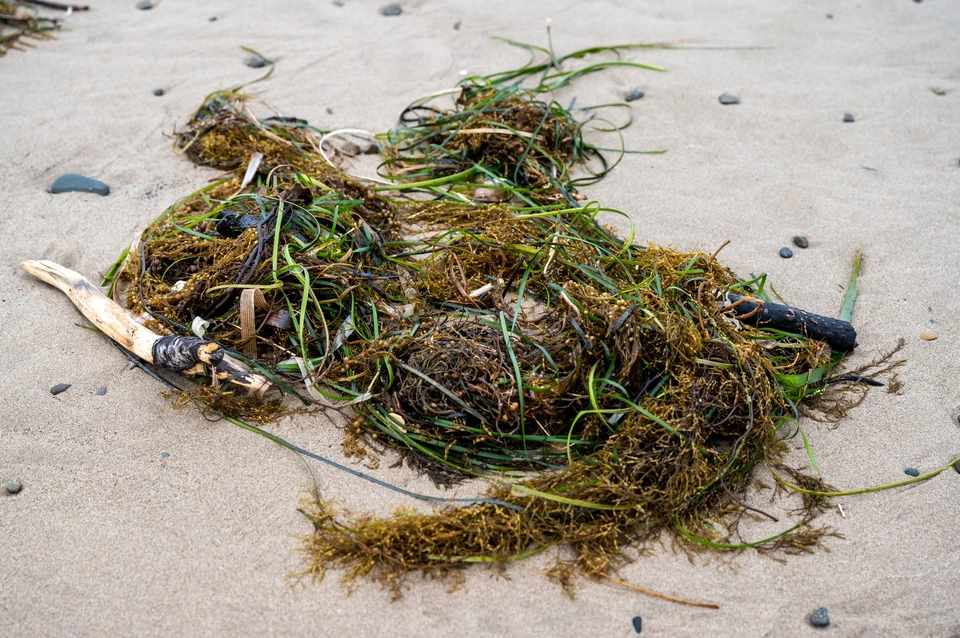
<point x="20" y="24"/>
<point x="601" y="387"/>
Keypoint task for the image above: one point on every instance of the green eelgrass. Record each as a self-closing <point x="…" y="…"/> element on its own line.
<point x="595" y="383"/>
<point x="20" y="24"/>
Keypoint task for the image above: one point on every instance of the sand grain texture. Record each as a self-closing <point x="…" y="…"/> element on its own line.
<point x="110" y="538"/>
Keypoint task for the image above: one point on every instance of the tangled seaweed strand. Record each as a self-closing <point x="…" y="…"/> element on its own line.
<point x="481" y="339"/>
<point x="20" y="23"/>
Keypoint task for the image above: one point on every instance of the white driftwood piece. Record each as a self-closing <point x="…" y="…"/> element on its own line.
<point x="120" y="325"/>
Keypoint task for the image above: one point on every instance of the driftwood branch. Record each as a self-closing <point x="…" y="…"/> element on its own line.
<point x="840" y="335"/>
<point x="57" y="5"/>
<point x="186" y="355"/>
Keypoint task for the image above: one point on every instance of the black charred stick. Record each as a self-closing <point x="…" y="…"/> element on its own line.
<point x="841" y="335"/>
<point x="57" y="5"/>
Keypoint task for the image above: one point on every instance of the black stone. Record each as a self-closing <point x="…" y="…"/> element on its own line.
<point x="786" y="253"/>
<point x="637" y="624"/>
<point x="956" y="466"/>
<point x="158" y="92"/>
<point x="13" y="487"/>
<point x="256" y="62"/>
<point x="393" y="9"/>
<point x="102" y="391"/>
<point x="848" y="117"/>
<point x="72" y="182"/>
<point x="726" y="98"/>
<point x="912" y="471"/>
<point x="144" y="5"/>
<point x="60" y="387"/>
<point x="633" y="95"/>
<point x="800" y="241"/>
<point x="820" y="618"/>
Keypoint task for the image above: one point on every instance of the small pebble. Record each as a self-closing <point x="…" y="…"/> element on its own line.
<point x="144" y="5"/>
<point x="60" y="387"/>
<point x="848" y="117"/>
<point x="829" y="16"/>
<point x="928" y="336"/>
<point x="164" y="455"/>
<point x="786" y="253"/>
<point x="102" y="391"/>
<point x="956" y="466"/>
<point x="820" y="618"/>
<point x="635" y="94"/>
<point x="637" y="624"/>
<point x="329" y="111"/>
<point x="726" y="98"/>
<point x="72" y="182"/>
<point x="800" y="241"/>
<point x="212" y="18"/>
<point x="938" y="90"/>
<point x="13" y="487"/>
<point x="158" y="92"/>
<point x="456" y="25"/>
<point x="912" y="471"/>
<point x="256" y="62"/>
<point x="393" y="9"/>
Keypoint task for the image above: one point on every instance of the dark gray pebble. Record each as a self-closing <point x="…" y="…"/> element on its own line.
<point x="786" y="253"/>
<point x="164" y="455"/>
<point x="144" y="5"/>
<point x="60" y="387"/>
<point x="829" y="16"/>
<point x="726" y="98"/>
<point x="800" y="241"/>
<point x="820" y="618"/>
<point x="912" y="471"/>
<point x="256" y="62"/>
<point x="637" y="624"/>
<point x="633" y="95"/>
<point x="72" y="182"/>
<point x="956" y="466"/>
<point x="102" y="391"/>
<point x="158" y="92"/>
<point x="456" y="25"/>
<point x="212" y="18"/>
<point x="848" y="117"/>
<point x="393" y="9"/>
<point x="329" y="111"/>
<point x="13" y="487"/>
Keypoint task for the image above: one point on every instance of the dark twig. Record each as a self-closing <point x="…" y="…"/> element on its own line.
<point x="57" y="5"/>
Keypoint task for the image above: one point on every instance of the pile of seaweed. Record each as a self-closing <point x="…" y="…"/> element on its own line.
<point x="603" y="388"/>
<point x="20" y="23"/>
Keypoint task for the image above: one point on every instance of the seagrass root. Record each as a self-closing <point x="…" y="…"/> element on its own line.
<point x="186" y="355"/>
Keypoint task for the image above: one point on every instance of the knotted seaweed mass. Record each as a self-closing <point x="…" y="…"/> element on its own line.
<point x="598" y="384"/>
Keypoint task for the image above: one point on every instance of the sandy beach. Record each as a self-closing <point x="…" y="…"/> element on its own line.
<point x="136" y="519"/>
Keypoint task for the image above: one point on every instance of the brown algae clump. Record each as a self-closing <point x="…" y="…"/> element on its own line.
<point x="605" y="389"/>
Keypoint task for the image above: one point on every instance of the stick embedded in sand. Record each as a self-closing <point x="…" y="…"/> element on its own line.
<point x="186" y="355"/>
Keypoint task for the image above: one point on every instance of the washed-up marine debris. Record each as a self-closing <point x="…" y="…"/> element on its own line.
<point x="609" y="392"/>
<point x="21" y="26"/>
